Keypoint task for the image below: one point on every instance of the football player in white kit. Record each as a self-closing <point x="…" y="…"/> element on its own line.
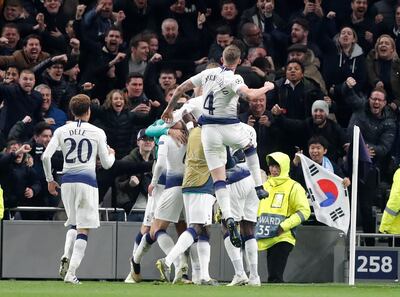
<point x="80" y="143"/>
<point x="170" y="205"/>
<point x="221" y="91"/>
<point x="198" y="199"/>
<point x="244" y="203"/>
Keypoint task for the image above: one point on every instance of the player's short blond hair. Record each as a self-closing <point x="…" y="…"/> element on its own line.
<point x="79" y="104"/>
<point x="231" y="54"/>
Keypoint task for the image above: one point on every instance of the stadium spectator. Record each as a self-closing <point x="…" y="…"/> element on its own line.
<point x="346" y="59"/>
<point x="52" y="115"/>
<point x="20" y="100"/>
<point x="179" y="52"/>
<point x="152" y="39"/>
<point x="251" y="37"/>
<point x="21" y="185"/>
<point x="11" y="75"/>
<point x="52" y="31"/>
<point x="313" y="13"/>
<point x="41" y="138"/>
<point x="223" y="38"/>
<point x="317" y="150"/>
<point x="317" y="125"/>
<point x="300" y="31"/>
<point x="132" y="190"/>
<point x="311" y="63"/>
<point x="30" y="55"/>
<point x="107" y="67"/>
<point x="259" y="117"/>
<point x="255" y="14"/>
<point x="117" y="121"/>
<point x="139" y="54"/>
<point x="378" y="127"/>
<point x="98" y="21"/>
<point x="385" y="10"/>
<point x="141" y="15"/>
<point x="395" y="29"/>
<point x="156" y="84"/>
<point x="190" y="16"/>
<point x="383" y="67"/>
<point x="61" y="88"/>
<point x="295" y="93"/>
<point x="14" y="12"/>
<point x="9" y="40"/>
<point x="229" y="17"/>
<point x="363" y="24"/>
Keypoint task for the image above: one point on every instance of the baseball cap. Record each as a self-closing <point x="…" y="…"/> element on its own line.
<point x="142" y="135"/>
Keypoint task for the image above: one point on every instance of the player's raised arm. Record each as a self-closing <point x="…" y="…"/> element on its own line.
<point x="179" y="91"/>
<point x="48" y="153"/>
<point x="106" y="155"/>
<point x="250" y="94"/>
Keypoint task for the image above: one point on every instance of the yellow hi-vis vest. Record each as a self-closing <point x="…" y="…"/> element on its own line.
<point x="287" y="207"/>
<point x="1" y="204"/>
<point x="391" y="216"/>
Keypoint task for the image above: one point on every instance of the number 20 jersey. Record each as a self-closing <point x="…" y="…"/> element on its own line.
<point x="80" y="143"/>
<point x="219" y="92"/>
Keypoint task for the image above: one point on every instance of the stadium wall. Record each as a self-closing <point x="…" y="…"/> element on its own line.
<point x="32" y="249"/>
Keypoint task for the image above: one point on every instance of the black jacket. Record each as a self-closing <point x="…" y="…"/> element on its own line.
<point x="303" y="130"/>
<point x="296" y="103"/>
<point x="19" y="104"/>
<point x="14" y="179"/>
<point x="378" y="132"/>
<point x="128" y="194"/>
<point x="119" y="127"/>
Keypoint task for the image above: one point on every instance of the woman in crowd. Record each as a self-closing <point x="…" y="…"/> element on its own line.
<point x="347" y="60"/>
<point x="383" y="67"/>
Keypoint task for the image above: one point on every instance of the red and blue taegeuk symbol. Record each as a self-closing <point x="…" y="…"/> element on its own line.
<point x="330" y="190"/>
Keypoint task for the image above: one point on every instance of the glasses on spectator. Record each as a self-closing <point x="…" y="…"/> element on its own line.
<point x="376" y="99"/>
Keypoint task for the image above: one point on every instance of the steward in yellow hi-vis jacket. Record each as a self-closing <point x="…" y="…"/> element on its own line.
<point x="1" y="204"/>
<point x="390" y="223"/>
<point x="279" y="215"/>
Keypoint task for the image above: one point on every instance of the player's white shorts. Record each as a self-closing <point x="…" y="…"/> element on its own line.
<point x="151" y="205"/>
<point x="170" y="206"/>
<point x="198" y="208"/>
<point x="81" y="203"/>
<point x="215" y="138"/>
<point x="244" y="200"/>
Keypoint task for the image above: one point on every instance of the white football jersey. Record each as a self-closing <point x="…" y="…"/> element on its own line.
<point x="80" y="143"/>
<point x="174" y="155"/>
<point x="219" y="92"/>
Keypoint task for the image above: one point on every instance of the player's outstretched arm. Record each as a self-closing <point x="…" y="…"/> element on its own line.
<point x="47" y="154"/>
<point x="180" y="90"/>
<point x="250" y="94"/>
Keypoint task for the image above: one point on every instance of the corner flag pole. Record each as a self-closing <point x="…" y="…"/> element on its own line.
<point x="353" y="209"/>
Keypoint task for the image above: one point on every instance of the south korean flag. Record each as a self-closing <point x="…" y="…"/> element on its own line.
<point x="329" y="197"/>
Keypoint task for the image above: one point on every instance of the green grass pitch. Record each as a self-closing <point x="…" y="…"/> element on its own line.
<point x="153" y="289"/>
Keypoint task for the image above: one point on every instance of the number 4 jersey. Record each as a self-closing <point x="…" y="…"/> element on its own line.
<point x="80" y="143"/>
<point x="219" y="92"/>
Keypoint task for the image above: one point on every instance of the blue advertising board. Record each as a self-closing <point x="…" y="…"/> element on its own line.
<point x="376" y="264"/>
